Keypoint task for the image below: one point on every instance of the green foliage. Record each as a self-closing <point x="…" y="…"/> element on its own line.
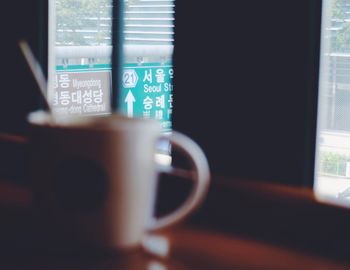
<point x="338" y="10"/>
<point x="342" y="39"/>
<point x="333" y="163"/>
<point x="78" y="20"/>
<point x="340" y="16"/>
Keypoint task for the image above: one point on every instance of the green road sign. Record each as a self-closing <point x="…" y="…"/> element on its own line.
<point x="147" y="92"/>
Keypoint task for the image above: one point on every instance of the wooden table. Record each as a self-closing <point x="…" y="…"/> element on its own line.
<point x="190" y="247"/>
<point x="199" y="249"/>
<point x="233" y="252"/>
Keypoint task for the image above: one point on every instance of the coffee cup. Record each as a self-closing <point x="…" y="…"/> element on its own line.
<point x="95" y="178"/>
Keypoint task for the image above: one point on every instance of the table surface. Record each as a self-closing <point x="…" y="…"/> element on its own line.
<point x="189" y="248"/>
<point x="193" y="248"/>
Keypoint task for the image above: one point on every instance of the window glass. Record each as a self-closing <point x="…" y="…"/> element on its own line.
<point x="83" y="49"/>
<point x="147" y="78"/>
<point x="333" y="148"/>
<point x="82" y="57"/>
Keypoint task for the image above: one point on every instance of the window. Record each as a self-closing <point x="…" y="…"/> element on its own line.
<point x="82" y="81"/>
<point x="83" y="51"/>
<point x="333" y="148"/>
<point x="148" y="71"/>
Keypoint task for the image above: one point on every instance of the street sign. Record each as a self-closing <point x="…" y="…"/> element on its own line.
<point x="130" y="78"/>
<point x="82" y="90"/>
<point x="130" y="99"/>
<point x="147" y="92"/>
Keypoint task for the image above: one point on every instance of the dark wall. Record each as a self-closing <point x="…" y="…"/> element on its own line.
<point x="246" y="85"/>
<point x="19" y="20"/>
<point x="246" y="81"/>
<point x="18" y="91"/>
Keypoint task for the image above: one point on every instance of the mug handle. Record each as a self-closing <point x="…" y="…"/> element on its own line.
<point x="200" y="174"/>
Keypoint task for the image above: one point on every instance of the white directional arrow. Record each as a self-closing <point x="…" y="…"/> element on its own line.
<point x="129" y="100"/>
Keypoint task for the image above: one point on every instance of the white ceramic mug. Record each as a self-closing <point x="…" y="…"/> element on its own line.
<point x="95" y="177"/>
